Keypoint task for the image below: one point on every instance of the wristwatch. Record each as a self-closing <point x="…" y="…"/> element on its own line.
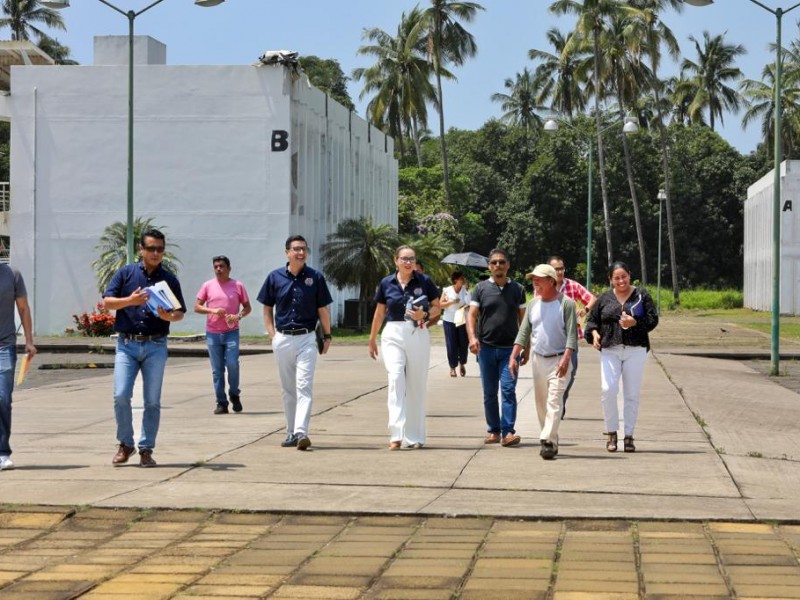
<point x="327" y="336"/>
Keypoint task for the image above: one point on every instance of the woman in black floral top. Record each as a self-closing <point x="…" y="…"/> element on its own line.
<point x="618" y="326"/>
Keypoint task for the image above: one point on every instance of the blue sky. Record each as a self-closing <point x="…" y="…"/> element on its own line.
<point x="238" y="31"/>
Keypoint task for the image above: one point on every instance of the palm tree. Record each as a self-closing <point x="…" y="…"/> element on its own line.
<point x="400" y="79"/>
<point x="359" y="254"/>
<point x="760" y="95"/>
<point x="55" y="50"/>
<point x="710" y="74"/>
<point x="592" y="16"/>
<point x="448" y="43"/>
<point x="20" y="16"/>
<point x="560" y="76"/>
<point x="520" y="104"/>
<point x="626" y="74"/>
<point x="653" y="34"/>
<point x="113" y="250"/>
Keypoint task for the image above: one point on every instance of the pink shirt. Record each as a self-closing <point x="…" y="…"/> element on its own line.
<point x="229" y="295"/>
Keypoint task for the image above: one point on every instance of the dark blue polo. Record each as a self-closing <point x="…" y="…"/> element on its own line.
<point x="395" y="297"/>
<point x="297" y="299"/>
<point x="139" y="320"/>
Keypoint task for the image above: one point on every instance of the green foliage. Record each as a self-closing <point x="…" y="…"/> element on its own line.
<point x="5" y="138"/>
<point x="113" y="249"/>
<point x="711" y="299"/>
<point x="327" y="75"/>
<point x="359" y="254"/>
<point x="22" y="16"/>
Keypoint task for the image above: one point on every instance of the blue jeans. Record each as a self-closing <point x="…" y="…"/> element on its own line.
<point x="223" y="351"/>
<point x="8" y="361"/>
<point x="493" y="362"/>
<point x="150" y="358"/>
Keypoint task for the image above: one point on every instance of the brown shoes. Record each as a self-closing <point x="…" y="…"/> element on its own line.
<point x="492" y="438"/>
<point x="511" y="439"/>
<point x="123" y="454"/>
<point x="396" y="445"/>
<point x="146" y="459"/>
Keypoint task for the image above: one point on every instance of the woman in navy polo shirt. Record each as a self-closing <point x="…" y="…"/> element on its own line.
<point x="406" y="300"/>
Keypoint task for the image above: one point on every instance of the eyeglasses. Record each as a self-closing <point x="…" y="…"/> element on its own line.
<point x="497" y="262"/>
<point x="558" y="269"/>
<point x="159" y="249"/>
<point x="299" y="249"/>
<point x="407" y="259"/>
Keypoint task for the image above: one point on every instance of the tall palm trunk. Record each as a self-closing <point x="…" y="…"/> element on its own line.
<point x="637" y="217"/>
<point x="415" y="135"/>
<point x="667" y="187"/>
<point x="600" y="152"/>
<point x="445" y="169"/>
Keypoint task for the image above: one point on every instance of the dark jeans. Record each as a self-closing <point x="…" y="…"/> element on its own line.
<point x="494" y="372"/>
<point x="455" y="339"/>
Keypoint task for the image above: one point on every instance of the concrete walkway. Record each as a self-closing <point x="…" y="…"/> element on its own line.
<point x="717" y="449"/>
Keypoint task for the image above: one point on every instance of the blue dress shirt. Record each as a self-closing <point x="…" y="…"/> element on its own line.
<point x="297" y="299"/>
<point x="395" y="297"/>
<point x="139" y="320"/>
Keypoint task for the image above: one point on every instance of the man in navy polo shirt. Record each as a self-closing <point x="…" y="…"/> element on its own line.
<point x="141" y="344"/>
<point x="295" y="297"/>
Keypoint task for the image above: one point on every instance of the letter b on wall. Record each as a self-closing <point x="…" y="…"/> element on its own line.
<point x="280" y="140"/>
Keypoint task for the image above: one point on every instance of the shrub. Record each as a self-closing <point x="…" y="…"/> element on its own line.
<point x="100" y="322"/>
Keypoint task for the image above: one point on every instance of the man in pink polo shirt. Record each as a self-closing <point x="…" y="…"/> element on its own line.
<point x="220" y="299"/>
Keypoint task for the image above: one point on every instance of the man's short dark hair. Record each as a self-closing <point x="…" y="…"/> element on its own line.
<point x="221" y="258"/>
<point x="420" y="265"/>
<point x="494" y="251"/>
<point x="556" y="257"/>
<point x="153" y="233"/>
<point x="294" y="238"/>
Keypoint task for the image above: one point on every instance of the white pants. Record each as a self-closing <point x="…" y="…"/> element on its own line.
<point x="297" y="357"/>
<point x="406" y="353"/>
<point x="626" y="363"/>
<point x="548" y="390"/>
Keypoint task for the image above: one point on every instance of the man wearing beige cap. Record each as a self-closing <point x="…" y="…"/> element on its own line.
<point x="549" y="333"/>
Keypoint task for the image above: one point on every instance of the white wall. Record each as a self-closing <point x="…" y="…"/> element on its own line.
<point x="205" y="169"/>
<point x="758" y="241"/>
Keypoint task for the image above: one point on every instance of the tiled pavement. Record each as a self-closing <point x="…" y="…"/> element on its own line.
<point x="63" y="552"/>
<point x="139" y="555"/>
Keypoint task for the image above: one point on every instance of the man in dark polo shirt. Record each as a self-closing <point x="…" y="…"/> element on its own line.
<point x="495" y="312"/>
<point x="141" y="344"/>
<point x="295" y="297"/>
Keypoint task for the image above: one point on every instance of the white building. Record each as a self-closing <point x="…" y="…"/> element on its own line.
<point x="758" y="241"/>
<point x="227" y="159"/>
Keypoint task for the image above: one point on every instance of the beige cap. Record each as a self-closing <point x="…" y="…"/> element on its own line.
<point x="543" y="271"/>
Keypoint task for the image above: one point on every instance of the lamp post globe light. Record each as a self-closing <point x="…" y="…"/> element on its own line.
<point x="131" y="16"/>
<point x="551" y="125"/>
<point x="776" y="186"/>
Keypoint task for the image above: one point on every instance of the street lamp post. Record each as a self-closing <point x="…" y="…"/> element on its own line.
<point x="131" y="16"/>
<point x="630" y="126"/>
<point x="662" y="195"/>
<point x="776" y="200"/>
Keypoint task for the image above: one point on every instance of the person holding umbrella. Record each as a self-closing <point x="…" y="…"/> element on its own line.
<point x="455" y="299"/>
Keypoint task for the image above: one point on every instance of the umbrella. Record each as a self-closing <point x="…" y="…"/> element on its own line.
<point x="468" y="259"/>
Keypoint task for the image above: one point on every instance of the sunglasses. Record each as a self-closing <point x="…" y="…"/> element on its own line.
<point x="153" y="248"/>
<point x="497" y="262"/>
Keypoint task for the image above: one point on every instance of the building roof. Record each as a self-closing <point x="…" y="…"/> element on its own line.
<point x="14" y="52"/>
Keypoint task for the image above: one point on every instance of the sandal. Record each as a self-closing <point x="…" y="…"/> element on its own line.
<point x="628" y="444"/>
<point x="463" y="370"/>
<point x="611" y="444"/>
<point x="396" y="445"/>
<point x="452" y="372"/>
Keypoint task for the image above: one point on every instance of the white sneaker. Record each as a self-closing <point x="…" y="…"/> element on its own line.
<point x="6" y="463"/>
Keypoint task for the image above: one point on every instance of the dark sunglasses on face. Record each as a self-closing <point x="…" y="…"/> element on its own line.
<point x="497" y="262"/>
<point x="153" y="248"/>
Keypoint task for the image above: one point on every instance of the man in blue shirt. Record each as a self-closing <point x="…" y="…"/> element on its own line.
<point x="295" y="297"/>
<point x="141" y="344"/>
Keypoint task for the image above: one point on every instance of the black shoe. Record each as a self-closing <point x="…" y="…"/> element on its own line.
<point x="289" y="442"/>
<point x="237" y="404"/>
<point x="222" y="409"/>
<point x="548" y="451"/>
